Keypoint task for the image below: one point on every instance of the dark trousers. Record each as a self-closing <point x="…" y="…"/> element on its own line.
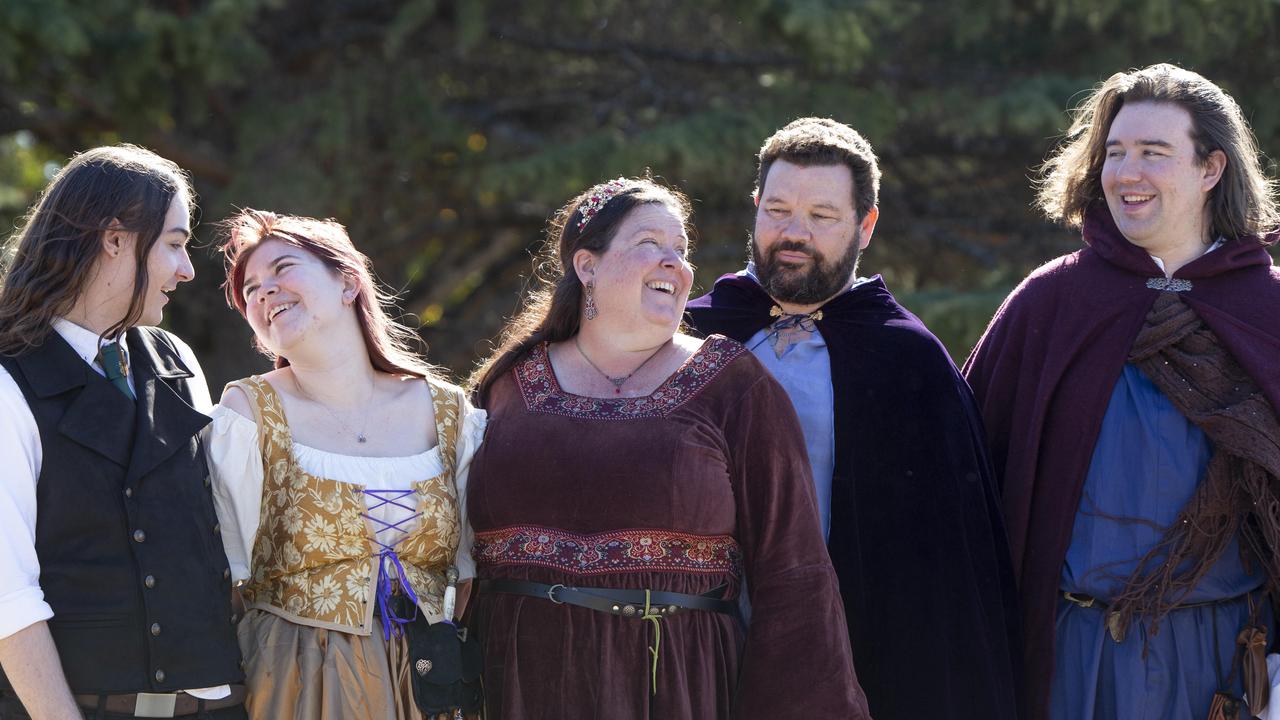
<point x="11" y="709"/>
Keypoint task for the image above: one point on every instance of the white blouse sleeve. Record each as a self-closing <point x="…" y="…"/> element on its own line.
<point x="235" y="462"/>
<point x="469" y="437"/>
<point x="21" y="600"/>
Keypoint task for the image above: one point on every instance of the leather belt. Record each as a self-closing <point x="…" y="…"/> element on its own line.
<point x="1088" y="601"/>
<point x="624" y="603"/>
<point x="1112" y="619"/>
<point x="144" y="705"/>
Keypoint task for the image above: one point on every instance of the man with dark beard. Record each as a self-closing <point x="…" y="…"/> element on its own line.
<point x="904" y="487"/>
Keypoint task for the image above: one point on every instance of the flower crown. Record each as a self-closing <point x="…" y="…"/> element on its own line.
<point x="599" y="198"/>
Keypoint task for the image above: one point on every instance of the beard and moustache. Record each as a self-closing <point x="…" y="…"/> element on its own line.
<point x="800" y="286"/>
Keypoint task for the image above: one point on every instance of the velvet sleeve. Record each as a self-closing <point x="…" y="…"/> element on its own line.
<point x="796" y="659"/>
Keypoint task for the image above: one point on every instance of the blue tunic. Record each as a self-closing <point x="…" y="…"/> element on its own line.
<point x="1146" y="465"/>
<point x="804" y="371"/>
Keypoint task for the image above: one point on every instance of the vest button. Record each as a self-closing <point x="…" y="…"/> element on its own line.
<point x="128" y="492"/>
<point x="155" y="628"/>
<point x="149" y="581"/>
<point x="226" y="573"/>
<point x="234" y="618"/>
<point x="217" y="528"/>
<point x="159" y="676"/>
<point x="206" y="481"/>
<point x="139" y="536"/>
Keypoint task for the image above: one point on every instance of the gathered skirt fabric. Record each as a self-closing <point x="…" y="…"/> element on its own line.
<point x="307" y="673"/>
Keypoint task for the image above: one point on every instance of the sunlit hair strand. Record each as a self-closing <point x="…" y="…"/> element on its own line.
<point x="51" y="258"/>
<point x="390" y="344"/>
<point x="1242" y="204"/>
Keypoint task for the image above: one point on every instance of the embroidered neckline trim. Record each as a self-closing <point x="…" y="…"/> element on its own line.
<point x="541" y="390"/>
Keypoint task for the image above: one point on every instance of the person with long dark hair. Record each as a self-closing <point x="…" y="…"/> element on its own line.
<point x="647" y="536"/>
<point x="114" y="592"/>
<point x="1129" y="392"/>
<point x="338" y="477"/>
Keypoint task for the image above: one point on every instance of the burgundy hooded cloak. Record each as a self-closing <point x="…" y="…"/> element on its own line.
<point x="1043" y="374"/>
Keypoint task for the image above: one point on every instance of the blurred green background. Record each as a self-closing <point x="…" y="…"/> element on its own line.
<point x="443" y="134"/>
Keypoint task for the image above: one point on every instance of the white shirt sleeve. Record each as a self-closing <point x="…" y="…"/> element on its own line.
<point x="469" y="437"/>
<point x="21" y="600"/>
<point x="235" y="465"/>
<point x="199" y="385"/>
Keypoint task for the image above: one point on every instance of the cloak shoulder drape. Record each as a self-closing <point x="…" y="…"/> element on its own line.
<point x="1044" y="370"/>
<point x="916" y="537"/>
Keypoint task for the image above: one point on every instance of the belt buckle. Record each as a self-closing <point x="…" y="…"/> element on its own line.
<point x="551" y="593"/>
<point x="1078" y="600"/>
<point x="155" y="705"/>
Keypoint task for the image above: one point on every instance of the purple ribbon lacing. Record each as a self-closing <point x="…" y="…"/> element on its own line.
<point x="391" y="623"/>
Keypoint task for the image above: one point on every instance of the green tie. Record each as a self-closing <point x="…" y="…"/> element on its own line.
<point x="113" y="365"/>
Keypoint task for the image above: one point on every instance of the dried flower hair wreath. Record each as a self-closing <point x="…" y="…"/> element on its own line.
<point x="599" y="198"/>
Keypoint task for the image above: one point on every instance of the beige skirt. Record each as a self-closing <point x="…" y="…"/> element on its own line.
<point x="305" y="673"/>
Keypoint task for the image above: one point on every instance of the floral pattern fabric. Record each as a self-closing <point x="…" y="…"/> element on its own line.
<point x="314" y="559"/>
<point x="642" y="550"/>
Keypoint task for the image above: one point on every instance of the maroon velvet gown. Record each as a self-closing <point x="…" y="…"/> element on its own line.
<point x="704" y="483"/>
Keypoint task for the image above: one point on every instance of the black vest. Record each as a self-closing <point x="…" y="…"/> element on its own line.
<point x="130" y="557"/>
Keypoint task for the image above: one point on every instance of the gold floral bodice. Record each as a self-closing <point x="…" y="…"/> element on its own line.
<point x="315" y="556"/>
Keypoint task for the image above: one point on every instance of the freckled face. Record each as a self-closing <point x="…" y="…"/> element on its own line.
<point x="289" y="293"/>
<point x="643" y="279"/>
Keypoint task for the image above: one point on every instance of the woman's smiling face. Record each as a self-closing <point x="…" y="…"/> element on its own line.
<point x="642" y="281"/>
<point x="289" y="292"/>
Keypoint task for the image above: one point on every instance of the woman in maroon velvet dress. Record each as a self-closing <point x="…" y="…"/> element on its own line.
<point x="634" y="482"/>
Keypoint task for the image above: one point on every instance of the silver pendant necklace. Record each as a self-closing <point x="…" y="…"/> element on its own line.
<point x="361" y="437"/>
<point x="617" y="382"/>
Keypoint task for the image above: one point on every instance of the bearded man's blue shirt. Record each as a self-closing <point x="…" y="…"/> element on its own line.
<point x="802" y="365"/>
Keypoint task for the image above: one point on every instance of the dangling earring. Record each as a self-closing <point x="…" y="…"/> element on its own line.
<point x="591" y="301"/>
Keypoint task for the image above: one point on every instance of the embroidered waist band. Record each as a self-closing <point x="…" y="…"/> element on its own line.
<point x="629" y="550"/>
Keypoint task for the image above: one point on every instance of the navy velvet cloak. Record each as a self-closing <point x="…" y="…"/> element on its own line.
<point x="916" y="537"/>
<point x="1043" y="375"/>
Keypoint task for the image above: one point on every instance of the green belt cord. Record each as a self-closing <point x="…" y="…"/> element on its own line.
<point x="653" y="617"/>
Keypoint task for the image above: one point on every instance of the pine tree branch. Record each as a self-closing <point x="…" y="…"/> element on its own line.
<point x="716" y="58"/>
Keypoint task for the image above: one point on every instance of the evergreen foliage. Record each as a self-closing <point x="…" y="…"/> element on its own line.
<point x="443" y="133"/>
